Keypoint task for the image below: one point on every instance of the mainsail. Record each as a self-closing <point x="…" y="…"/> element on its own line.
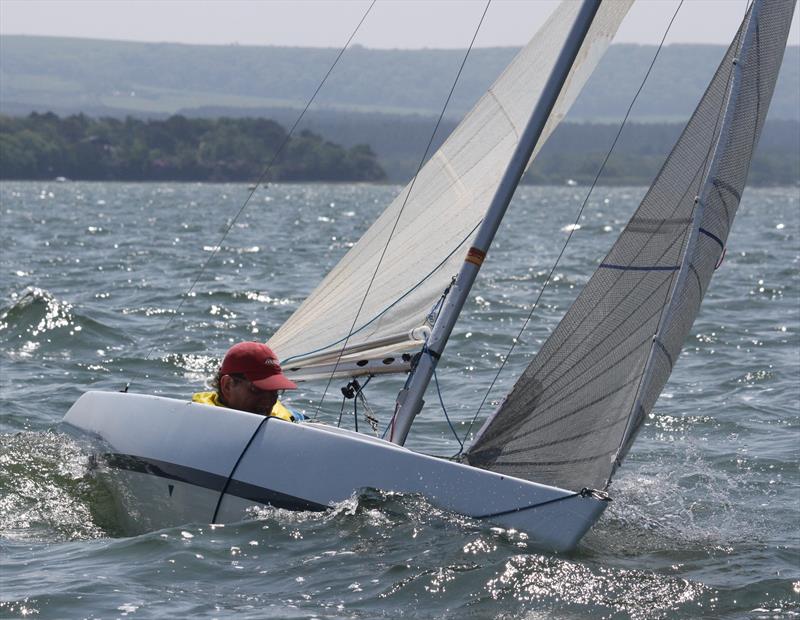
<point x="575" y="411"/>
<point x="439" y="216"/>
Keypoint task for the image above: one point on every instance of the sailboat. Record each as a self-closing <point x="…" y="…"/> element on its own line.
<point x="543" y="461"/>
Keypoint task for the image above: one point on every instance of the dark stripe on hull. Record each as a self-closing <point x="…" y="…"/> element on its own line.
<point x="254" y="493"/>
<point x="164" y="469"/>
<point x="207" y="480"/>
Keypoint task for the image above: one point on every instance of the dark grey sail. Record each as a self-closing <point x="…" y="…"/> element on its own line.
<point x="574" y="412"/>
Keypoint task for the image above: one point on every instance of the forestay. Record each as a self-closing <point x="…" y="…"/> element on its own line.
<point x="438" y="218"/>
<point x="573" y="414"/>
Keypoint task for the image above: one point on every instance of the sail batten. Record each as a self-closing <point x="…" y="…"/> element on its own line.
<point x="591" y="386"/>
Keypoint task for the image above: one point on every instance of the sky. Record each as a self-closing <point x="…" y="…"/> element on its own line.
<point x="410" y="24"/>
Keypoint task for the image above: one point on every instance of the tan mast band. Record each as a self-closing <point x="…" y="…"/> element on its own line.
<point x="475" y="256"/>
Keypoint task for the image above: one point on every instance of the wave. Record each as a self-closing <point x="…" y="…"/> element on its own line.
<point x="47" y="492"/>
<point x="37" y="319"/>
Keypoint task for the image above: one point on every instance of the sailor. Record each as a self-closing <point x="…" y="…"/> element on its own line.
<point x="250" y="379"/>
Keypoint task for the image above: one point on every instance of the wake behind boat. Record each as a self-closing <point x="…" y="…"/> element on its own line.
<point x="544" y="459"/>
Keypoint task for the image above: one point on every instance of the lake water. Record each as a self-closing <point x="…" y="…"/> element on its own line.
<point x="705" y="520"/>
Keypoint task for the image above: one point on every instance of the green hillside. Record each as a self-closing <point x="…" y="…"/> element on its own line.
<point x="116" y="78"/>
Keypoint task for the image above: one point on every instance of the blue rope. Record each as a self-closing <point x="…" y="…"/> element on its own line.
<point x="437" y="309"/>
<point x="444" y="409"/>
<point x="441" y="403"/>
<point x="433" y="315"/>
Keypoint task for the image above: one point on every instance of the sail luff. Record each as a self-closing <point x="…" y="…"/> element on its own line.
<point x="635" y="418"/>
<point x="410" y="399"/>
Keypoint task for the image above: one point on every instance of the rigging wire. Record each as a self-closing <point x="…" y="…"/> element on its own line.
<point x="402" y="208"/>
<point x="262" y="177"/>
<point x="571" y="231"/>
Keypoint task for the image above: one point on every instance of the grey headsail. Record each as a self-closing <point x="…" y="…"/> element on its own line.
<point x="574" y="412"/>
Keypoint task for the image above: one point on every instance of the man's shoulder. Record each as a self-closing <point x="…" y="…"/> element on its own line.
<point x="206" y="398"/>
<point x="285" y="413"/>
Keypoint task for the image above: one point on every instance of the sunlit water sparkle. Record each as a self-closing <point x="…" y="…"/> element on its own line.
<point x="706" y="510"/>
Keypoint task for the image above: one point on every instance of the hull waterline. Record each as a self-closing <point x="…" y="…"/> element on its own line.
<point x="175" y="462"/>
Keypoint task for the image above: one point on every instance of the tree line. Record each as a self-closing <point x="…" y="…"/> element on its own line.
<point x="45" y="146"/>
<point x="227" y="148"/>
<point x="577" y="150"/>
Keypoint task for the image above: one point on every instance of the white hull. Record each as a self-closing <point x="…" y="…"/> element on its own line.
<point x="178" y="462"/>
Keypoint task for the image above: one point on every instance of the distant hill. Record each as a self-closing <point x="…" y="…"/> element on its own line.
<point x="116" y="78"/>
<point x="388" y="99"/>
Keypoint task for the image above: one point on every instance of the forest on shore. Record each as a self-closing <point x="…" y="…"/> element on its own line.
<point x="355" y="148"/>
<point x="46" y="146"/>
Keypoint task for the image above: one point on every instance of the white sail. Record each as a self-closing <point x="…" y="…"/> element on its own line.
<point x="439" y="216"/>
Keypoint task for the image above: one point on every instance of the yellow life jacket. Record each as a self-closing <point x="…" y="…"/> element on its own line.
<point x="212" y="398"/>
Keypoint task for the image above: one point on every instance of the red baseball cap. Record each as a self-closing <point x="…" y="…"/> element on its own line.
<point x="259" y="365"/>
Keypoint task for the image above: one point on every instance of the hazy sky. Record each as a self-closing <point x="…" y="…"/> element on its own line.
<point x="391" y="23"/>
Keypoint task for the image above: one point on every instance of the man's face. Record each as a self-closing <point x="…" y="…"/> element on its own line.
<point x="241" y="394"/>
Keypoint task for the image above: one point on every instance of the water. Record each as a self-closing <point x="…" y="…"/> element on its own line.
<point x="706" y="510"/>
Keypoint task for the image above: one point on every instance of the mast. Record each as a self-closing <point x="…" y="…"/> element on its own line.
<point x="410" y="399"/>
